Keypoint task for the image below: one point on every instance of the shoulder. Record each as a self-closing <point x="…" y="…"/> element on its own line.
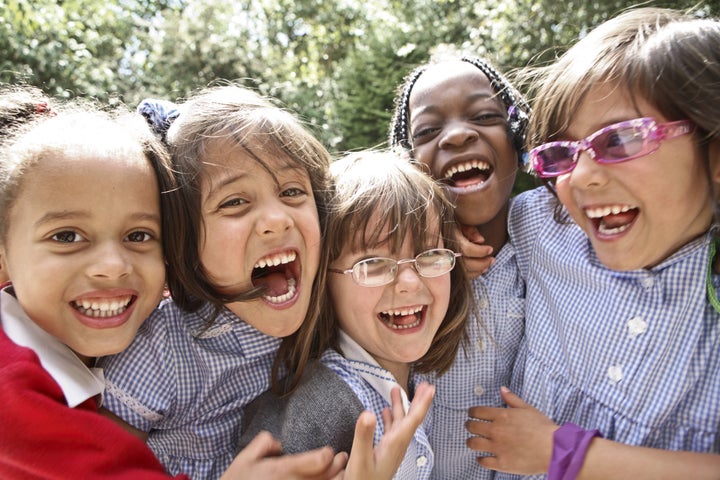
<point x="321" y="411"/>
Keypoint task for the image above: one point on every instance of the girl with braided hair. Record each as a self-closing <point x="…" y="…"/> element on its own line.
<point x="464" y="123"/>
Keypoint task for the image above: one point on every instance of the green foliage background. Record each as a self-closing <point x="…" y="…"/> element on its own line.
<point x="336" y="63"/>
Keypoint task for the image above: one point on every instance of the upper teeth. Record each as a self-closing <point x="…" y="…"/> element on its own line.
<point x="464" y="167"/>
<point x="100" y="307"/>
<point x="600" y="212"/>
<point x="274" y="260"/>
<point x="403" y="311"/>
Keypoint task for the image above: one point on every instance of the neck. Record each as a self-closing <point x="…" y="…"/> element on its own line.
<point x="495" y="231"/>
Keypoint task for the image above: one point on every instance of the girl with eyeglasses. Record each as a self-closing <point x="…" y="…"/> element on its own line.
<point x="397" y="305"/>
<point x="622" y="316"/>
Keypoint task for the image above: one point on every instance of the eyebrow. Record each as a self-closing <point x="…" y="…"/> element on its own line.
<point x="82" y="214"/>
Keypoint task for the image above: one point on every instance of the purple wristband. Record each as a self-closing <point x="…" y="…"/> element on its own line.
<point x="570" y="443"/>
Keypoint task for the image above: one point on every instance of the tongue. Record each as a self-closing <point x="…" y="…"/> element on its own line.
<point x="469" y="178"/>
<point x="618" y="219"/>
<point x="404" y="320"/>
<point x="276" y="283"/>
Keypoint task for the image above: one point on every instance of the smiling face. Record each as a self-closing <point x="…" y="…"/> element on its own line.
<point x="397" y="322"/>
<point x="260" y="231"/>
<point x="458" y="128"/>
<point x="83" y="248"/>
<point x="639" y="212"/>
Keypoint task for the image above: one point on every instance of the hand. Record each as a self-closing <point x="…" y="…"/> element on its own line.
<point x="519" y="438"/>
<point x="383" y="461"/>
<point x="262" y="459"/>
<point x="476" y="256"/>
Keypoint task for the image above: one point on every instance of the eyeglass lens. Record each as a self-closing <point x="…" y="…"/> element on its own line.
<point x="381" y="271"/>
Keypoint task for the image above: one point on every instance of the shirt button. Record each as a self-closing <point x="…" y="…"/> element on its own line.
<point x="422" y="461"/>
<point x="636" y="326"/>
<point x="478" y="390"/>
<point x="615" y="373"/>
<point x="647" y="282"/>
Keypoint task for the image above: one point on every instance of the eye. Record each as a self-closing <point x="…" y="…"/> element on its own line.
<point x="489" y="118"/>
<point x="67" y="236"/>
<point x="140" y="237"/>
<point x="233" y="202"/>
<point x="292" y="192"/>
<point x="424" y="134"/>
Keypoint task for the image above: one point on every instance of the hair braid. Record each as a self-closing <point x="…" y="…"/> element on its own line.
<point x="400" y="126"/>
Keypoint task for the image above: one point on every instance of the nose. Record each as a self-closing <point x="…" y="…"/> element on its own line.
<point x="457" y="135"/>
<point x="587" y="172"/>
<point x="274" y="219"/>
<point x="111" y="261"/>
<point x="407" y="279"/>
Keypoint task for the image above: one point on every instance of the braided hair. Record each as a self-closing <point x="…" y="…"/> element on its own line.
<point x="517" y="108"/>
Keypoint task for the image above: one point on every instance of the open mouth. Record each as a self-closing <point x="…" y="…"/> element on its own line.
<point x="404" y="318"/>
<point x="278" y="274"/>
<point x="612" y="219"/>
<point x="103" y="307"/>
<point x="467" y="174"/>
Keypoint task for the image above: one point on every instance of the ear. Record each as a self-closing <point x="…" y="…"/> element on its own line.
<point x="714" y="162"/>
<point x="3" y="269"/>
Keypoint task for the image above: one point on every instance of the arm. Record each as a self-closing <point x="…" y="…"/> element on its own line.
<point x="520" y="439"/>
<point x="383" y="461"/>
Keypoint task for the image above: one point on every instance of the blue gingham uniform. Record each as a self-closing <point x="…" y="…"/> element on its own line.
<point x="372" y="385"/>
<point x="187" y="386"/>
<point x="634" y="354"/>
<point x="477" y="374"/>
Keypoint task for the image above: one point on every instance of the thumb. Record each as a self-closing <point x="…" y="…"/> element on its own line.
<point x="471" y="233"/>
<point x="512" y="400"/>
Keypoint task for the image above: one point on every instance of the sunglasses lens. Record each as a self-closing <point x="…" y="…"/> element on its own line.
<point x="621" y="143"/>
<point x="434" y="263"/>
<point x="374" y="272"/>
<point x="553" y="159"/>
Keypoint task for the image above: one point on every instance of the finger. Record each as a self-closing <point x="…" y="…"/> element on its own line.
<point x="471" y="233"/>
<point x="424" y="394"/>
<point x="490" y="463"/>
<point x="263" y="445"/>
<point x="362" y="448"/>
<point x="479" y="444"/>
<point x="478" y="427"/>
<point x="513" y="400"/>
<point x="483" y="413"/>
<point x="312" y="463"/>
<point x="398" y="409"/>
<point x="338" y="465"/>
<point x="474" y="267"/>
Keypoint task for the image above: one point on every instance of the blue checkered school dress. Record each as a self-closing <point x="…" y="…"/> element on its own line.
<point x="635" y="354"/>
<point x="372" y="385"/>
<point x="187" y="385"/>
<point x="478" y="373"/>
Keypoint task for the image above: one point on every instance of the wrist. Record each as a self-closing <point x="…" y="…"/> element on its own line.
<point x="570" y="444"/>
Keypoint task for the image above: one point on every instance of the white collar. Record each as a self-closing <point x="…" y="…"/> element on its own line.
<point x="77" y="381"/>
<point x="368" y="368"/>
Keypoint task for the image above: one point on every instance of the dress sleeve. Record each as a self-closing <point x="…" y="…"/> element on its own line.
<point x="42" y="437"/>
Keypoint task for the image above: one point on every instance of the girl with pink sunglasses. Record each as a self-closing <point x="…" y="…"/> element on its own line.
<point x="622" y="276"/>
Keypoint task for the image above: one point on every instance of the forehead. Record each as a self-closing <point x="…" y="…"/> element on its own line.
<point x="449" y="78"/>
<point x="605" y="104"/>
